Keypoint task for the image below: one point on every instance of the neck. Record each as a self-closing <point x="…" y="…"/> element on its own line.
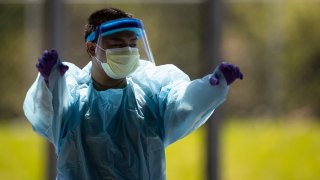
<point x="101" y="81"/>
<point x="116" y="85"/>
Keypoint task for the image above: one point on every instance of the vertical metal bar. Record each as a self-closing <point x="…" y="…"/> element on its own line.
<point x="55" y="23"/>
<point x="212" y="23"/>
<point x="54" y="35"/>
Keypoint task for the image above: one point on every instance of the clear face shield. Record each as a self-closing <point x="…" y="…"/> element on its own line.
<point x="123" y="36"/>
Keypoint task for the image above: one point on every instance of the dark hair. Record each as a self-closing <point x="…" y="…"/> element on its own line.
<point x="103" y="15"/>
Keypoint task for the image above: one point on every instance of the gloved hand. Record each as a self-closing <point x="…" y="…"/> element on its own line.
<point x="46" y="63"/>
<point x="230" y="73"/>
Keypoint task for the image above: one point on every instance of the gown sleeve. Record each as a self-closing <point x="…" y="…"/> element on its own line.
<point x="48" y="108"/>
<point x="185" y="105"/>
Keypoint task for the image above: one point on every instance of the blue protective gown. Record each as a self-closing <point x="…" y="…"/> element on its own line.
<point x="119" y="133"/>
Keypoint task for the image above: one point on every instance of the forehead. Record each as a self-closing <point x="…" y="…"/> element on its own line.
<point x="121" y="36"/>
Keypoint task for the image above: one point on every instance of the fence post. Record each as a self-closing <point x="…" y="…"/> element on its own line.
<point x="54" y="37"/>
<point x="212" y="24"/>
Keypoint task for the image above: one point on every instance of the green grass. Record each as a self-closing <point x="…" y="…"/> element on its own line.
<point x="21" y="153"/>
<point x="186" y="158"/>
<point x="268" y="150"/>
<point x="250" y="150"/>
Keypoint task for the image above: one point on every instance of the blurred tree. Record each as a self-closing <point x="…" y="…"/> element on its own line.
<point x="175" y="36"/>
<point x="247" y="38"/>
<point x="11" y="53"/>
<point x="302" y="58"/>
<point x="246" y="44"/>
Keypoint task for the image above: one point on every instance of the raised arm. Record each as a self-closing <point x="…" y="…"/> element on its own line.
<point x="48" y="98"/>
<point x="185" y="106"/>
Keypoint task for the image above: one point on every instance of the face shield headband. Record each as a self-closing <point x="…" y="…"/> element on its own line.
<point x="124" y="24"/>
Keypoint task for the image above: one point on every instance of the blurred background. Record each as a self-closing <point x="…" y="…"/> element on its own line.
<point x="268" y="127"/>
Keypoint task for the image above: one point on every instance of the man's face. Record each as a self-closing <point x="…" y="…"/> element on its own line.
<point x="119" y="40"/>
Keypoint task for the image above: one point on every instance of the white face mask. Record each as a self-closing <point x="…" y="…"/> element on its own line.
<point x="120" y="62"/>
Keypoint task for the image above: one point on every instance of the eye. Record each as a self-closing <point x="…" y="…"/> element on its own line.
<point x="133" y="44"/>
<point x="118" y="45"/>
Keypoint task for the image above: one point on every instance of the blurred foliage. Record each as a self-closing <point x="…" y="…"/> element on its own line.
<point x="244" y="43"/>
<point x="276" y="46"/>
<point x="302" y="58"/>
<point x="11" y="60"/>
<point x="278" y="51"/>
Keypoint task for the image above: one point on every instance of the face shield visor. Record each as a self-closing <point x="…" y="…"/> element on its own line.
<point x="121" y="34"/>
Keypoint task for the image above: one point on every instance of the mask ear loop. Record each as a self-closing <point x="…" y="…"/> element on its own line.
<point x="100" y="48"/>
<point x="104" y="50"/>
<point x="97" y="59"/>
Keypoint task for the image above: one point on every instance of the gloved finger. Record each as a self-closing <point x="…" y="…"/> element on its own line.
<point x="44" y="59"/>
<point x="54" y="54"/>
<point x="51" y="55"/>
<point x="227" y="68"/>
<point x="39" y="66"/>
<point x="233" y="70"/>
<point x="239" y="73"/>
<point x="222" y="66"/>
<point x="241" y="76"/>
<point x="45" y="54"/>
<point x="63" y="69"/>
<point x="40" y="62"/>
<point x="52" y="58"/>
<point x="214" y="80"/>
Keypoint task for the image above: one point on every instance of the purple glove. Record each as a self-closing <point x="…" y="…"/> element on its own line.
<point x="46" y="63"/>
<point x="230" y="73"/>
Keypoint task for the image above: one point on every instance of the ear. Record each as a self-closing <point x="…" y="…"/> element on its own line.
<point x="91" y="47"/>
